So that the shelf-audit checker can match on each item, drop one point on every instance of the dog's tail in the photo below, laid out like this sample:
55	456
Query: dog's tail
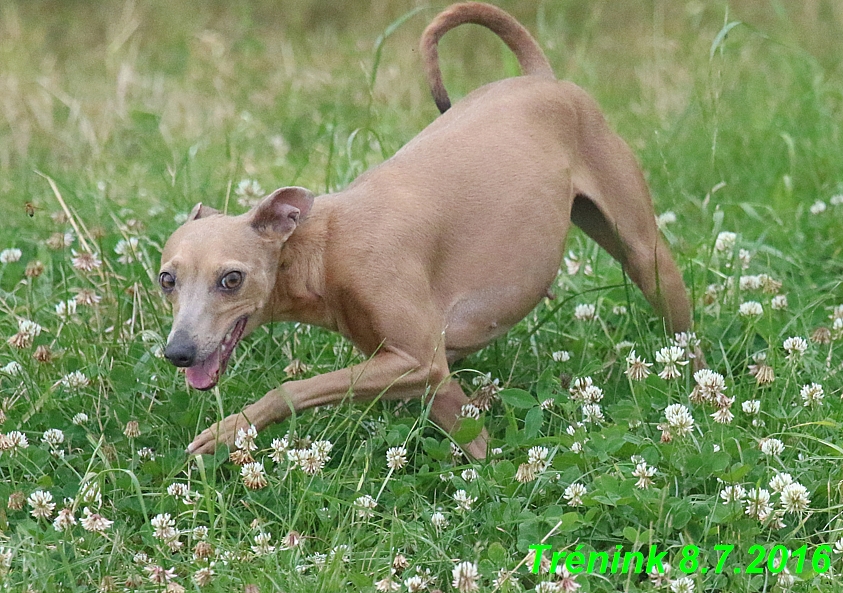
530	56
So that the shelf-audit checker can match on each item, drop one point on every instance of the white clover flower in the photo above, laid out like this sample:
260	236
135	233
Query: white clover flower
837	328
439	520
127	249
525	473
592	413
144	453
89	491
683	585
463	500
795	347
254	476
469	475
645	474
310	461
812	395
750	309
725	241
159	575
561	356
745	258
94	521
29	328
178	490
79	418
771	446
574	493
735	493
750	282
42	504
387	585
248	192
688	341
620	311
637	369
14	442
279	449
396	457
204	576
322	448
836	200
465	577
538	457
751	407
723	415
85	260
74	380
665	218
65	309
679	419
779	303
710	388
817	207
164	527
470	411
8	256
53	437
365	506
585	312
572	263
591	394
65	520
245	438
584	390
262	547
415	584
794	498
779	481
12	369
670	357
758	503
576	447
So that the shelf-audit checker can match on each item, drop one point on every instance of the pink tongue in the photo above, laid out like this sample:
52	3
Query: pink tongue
205	374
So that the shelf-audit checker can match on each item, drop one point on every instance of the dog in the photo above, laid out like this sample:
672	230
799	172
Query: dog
427	257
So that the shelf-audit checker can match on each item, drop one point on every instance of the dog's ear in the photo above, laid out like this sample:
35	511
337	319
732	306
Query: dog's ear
278	215
200	210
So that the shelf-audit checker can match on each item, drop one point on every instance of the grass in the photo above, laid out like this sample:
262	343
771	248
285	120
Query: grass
118	117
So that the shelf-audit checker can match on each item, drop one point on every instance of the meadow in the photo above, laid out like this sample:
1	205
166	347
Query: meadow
117	117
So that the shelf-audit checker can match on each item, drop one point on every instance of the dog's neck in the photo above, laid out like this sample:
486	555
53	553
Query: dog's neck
300	281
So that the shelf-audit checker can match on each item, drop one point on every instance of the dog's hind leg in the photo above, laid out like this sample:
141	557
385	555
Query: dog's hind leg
612	205
445	410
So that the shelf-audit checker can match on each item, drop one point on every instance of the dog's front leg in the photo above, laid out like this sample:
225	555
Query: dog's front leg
391	372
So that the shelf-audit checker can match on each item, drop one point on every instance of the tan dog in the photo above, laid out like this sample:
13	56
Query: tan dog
429	256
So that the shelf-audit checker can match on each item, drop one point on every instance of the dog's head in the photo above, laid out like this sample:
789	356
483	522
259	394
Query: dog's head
218	271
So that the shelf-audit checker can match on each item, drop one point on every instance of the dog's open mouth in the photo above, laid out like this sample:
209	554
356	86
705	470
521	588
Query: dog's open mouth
206	373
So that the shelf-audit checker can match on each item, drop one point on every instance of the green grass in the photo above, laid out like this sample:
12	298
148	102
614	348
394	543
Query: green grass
137	111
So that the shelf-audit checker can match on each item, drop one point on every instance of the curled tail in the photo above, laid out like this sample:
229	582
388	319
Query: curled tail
530	56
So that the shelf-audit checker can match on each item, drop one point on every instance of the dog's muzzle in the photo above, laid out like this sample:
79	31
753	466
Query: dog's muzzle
181	351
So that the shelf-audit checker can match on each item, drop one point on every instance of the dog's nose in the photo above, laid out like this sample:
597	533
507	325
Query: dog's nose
181	353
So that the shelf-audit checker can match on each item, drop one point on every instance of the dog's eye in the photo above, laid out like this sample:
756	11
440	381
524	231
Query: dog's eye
167	281
232	280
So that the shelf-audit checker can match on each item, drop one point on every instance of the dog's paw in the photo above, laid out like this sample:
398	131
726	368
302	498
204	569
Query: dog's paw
221	433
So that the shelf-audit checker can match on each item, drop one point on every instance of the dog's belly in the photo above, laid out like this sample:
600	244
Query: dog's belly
479	317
